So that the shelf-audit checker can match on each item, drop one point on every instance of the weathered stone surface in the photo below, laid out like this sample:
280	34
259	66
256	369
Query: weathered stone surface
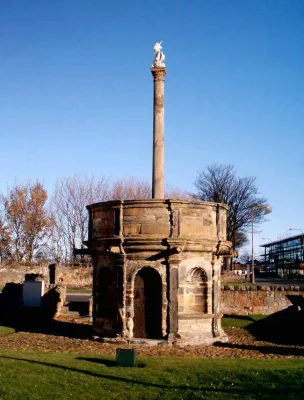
140	219
73	277
158	182
263	300
134	211
53	301
131	229
156	229
175	244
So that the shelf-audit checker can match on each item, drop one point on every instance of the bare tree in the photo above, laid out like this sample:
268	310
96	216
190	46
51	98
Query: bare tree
69	201
241	239
177	193
220	183
130	188
72	195
5	241
27	221
246	257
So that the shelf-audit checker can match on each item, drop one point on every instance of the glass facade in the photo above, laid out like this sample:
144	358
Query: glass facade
283	254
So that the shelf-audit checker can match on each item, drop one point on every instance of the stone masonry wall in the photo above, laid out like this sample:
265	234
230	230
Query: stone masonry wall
73	277
245	300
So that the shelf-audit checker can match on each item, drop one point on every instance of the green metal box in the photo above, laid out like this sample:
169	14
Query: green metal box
126	357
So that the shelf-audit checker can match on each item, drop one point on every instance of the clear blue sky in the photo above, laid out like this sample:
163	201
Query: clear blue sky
76	92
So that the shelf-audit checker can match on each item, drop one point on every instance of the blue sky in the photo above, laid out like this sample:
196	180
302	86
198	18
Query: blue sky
76	92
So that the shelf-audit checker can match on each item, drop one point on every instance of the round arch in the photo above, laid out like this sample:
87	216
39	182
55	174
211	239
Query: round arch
197	274
147	304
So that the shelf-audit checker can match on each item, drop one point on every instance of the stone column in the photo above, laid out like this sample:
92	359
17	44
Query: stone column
158	183
216	293
172	318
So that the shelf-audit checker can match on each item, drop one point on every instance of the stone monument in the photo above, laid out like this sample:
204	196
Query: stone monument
157	262
158	71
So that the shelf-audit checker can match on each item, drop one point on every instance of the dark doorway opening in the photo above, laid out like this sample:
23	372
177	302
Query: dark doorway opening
147	304
105	302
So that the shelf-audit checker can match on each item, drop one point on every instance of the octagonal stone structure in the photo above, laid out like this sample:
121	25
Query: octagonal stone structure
157	266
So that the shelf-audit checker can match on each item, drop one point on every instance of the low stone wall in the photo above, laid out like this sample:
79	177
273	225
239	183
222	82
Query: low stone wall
265	300
73	277
231	277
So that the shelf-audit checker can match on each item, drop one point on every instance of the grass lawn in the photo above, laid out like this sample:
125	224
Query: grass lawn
73	290
5	330
29	375
240	321
245	283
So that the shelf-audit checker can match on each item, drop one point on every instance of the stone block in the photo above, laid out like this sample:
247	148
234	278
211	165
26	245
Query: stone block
162	220
128	212
188	300
192	230
131	229
192	212
104	230
199	290
155	229
97	215
139	219
158	212
199	300
198	308
181	299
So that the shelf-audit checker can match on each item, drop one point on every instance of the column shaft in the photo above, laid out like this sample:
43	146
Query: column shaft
173	300
158	182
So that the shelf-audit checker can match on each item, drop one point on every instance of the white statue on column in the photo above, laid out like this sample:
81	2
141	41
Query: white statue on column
159	56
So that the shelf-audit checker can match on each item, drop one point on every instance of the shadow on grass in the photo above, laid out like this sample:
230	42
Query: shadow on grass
41	320
107	363
27	320
284	327
253	390
264	349
58	328
245	318
242	321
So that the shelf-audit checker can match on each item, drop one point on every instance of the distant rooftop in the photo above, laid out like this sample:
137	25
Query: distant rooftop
285	240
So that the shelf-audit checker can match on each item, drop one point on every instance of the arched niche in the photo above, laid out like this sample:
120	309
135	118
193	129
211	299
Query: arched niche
195	292
197	275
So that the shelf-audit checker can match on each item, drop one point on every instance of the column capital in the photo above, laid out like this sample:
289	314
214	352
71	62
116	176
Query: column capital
159	73
174	261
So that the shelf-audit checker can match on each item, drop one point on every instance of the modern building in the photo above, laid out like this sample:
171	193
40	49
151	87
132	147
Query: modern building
285	256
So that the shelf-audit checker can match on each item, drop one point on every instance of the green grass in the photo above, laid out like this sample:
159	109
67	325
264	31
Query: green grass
33	376
5	330
240	321
75	290
239	284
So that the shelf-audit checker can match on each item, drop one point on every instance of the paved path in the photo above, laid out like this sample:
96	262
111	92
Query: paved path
78	297
276	282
